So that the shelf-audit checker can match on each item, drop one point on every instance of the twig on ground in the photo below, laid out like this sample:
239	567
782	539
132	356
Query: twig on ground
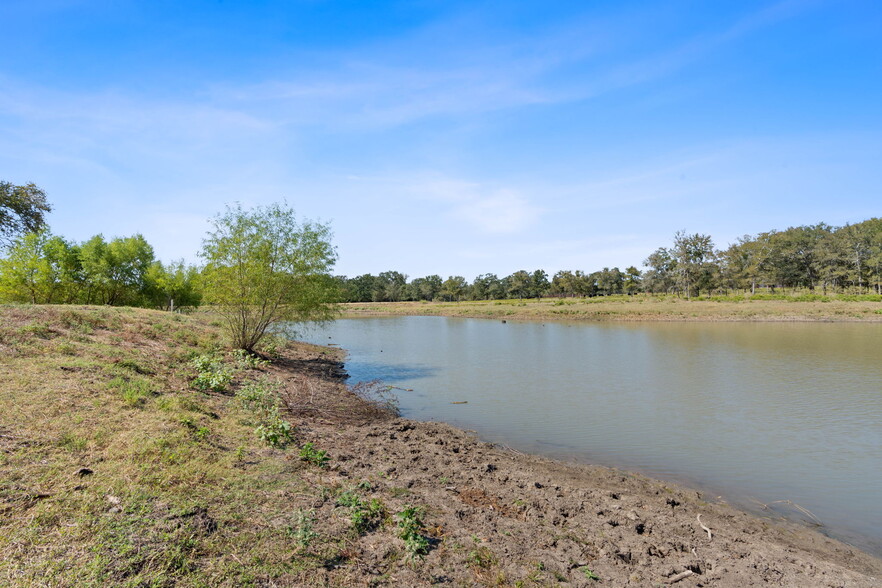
680	576
709	535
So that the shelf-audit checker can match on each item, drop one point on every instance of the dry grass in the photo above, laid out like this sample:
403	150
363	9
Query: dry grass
114	471
637	308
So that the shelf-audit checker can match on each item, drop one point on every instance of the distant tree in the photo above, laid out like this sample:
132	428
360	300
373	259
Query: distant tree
263	267
695	259
633	281
454	288
539	283
115	272
173	286
22	210
40	268
391	286
519	284
661	274
609	281
360	288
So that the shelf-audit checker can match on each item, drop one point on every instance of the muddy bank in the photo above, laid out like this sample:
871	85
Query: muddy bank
494	516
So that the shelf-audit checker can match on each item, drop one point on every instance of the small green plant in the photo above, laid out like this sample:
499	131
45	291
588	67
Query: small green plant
590	575
364	516
199	433
309	453
73	442
212	374
276	432
260	397
349	498
410	529
302	530
246	360
481	557
134	391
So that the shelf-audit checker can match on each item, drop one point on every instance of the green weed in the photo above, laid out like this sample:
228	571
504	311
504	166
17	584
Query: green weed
589	574
310	454
212	374
411	529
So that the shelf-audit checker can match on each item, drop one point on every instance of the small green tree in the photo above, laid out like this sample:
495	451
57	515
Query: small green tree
262	268
22	210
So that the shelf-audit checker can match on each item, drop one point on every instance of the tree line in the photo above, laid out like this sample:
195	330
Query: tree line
832	259
43	268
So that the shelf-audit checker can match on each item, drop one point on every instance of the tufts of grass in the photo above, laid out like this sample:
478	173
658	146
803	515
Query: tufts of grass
134	392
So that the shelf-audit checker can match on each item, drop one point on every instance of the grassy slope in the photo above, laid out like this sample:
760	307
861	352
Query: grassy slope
114	471
639	308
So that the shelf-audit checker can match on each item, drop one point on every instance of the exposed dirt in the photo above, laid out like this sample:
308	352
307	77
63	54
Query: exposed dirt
498	517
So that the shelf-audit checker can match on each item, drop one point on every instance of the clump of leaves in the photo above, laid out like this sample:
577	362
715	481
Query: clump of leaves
303	529
199	433
309	453
134	391
364	515
410	529
272	344
246	360
211	374
276	432
260	397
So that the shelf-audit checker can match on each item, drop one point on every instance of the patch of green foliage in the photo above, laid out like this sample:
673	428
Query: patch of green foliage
310	454
211	374
589	574
411	529
260	398
303	529
364	515
249	361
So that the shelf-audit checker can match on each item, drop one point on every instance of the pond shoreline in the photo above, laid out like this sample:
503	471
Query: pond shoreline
627	309
765	536
572	521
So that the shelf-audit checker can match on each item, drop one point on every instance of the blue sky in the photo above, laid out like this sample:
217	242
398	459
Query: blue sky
447	137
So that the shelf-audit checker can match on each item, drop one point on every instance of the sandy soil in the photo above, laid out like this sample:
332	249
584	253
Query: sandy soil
498	517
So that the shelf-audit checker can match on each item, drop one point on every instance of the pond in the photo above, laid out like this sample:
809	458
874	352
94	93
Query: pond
788	415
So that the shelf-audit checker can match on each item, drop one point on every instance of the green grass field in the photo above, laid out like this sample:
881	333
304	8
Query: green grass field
802	307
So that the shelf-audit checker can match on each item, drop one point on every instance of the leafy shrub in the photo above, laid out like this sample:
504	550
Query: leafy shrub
411	528
249	361
261	399
212	374
302	530
275	432
314	456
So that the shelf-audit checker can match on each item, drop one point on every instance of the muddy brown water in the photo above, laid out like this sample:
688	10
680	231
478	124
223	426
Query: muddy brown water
787	415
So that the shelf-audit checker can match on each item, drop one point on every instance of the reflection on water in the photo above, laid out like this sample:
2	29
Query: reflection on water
771	411
371	370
